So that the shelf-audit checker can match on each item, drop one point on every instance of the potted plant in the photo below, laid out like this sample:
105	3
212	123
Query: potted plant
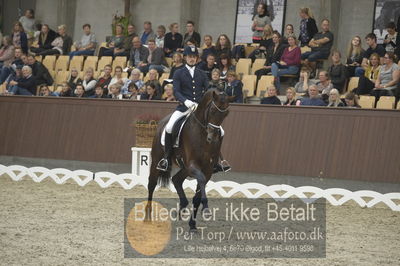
146	129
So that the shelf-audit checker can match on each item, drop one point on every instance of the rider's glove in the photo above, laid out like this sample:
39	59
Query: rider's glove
191	105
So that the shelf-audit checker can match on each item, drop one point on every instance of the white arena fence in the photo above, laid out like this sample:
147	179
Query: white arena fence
226	189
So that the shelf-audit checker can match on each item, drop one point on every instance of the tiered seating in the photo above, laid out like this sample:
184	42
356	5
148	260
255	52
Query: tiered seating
353	83
62	63
367	101
163	77
249	85
61	77
119	61
263	83
243	66
386	102
91	61
76	62
105	60
169	61
258	64
49	62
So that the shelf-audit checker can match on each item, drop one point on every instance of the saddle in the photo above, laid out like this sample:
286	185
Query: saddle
176	131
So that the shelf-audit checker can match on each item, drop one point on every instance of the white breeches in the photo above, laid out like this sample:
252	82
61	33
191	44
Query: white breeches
175	117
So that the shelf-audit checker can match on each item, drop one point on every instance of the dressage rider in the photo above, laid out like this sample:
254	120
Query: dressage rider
190	84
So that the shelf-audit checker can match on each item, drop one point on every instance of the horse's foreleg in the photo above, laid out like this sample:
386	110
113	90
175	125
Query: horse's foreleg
196	204
196	173
153	177
178	179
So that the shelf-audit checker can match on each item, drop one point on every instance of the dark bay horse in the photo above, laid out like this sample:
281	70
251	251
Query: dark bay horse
199	150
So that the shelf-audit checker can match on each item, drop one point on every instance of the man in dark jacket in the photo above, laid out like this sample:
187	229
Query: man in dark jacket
156	57
139	53
6	71
40	72
25	85
46	37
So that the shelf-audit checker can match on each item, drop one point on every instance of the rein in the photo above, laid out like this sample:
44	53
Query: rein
206	116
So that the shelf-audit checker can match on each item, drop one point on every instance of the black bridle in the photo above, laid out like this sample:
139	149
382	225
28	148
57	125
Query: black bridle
208	125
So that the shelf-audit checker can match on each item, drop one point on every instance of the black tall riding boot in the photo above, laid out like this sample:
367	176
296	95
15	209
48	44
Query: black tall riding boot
165	163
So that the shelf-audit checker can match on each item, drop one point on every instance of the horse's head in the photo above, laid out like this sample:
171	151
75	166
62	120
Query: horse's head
214	108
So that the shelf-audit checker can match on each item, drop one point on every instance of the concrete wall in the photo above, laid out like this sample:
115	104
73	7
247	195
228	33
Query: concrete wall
99	14
212	17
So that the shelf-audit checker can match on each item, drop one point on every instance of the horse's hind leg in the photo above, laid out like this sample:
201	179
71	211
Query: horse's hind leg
178	180
153	177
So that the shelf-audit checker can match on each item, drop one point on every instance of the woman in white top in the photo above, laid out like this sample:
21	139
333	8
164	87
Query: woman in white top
28	22
118	79
89	82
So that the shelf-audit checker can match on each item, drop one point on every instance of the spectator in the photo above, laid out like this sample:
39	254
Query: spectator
274	54
66	90
7	52
7	70
14	76
25	85
147	33
313	99
397	50
271	97
139	53
46	38
133	92
354	56
290	62
266	42
61	44
177	63
115	91
98	93
324	84
115	44
19	37
191	34
290	96
337	72
223	46
153	79
87	44
169	93
388	78
259	22
373	47
234	87
173	40
79	91
127	45
45	91
105	80
118	79
208	48
216	82
28	23
308	27
367	82
334	99
320	45
134	78
225	65
156	59
289	31
40	72
351	100
89	82
209	65
305	81
390	39
160	38
73	78
151	93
